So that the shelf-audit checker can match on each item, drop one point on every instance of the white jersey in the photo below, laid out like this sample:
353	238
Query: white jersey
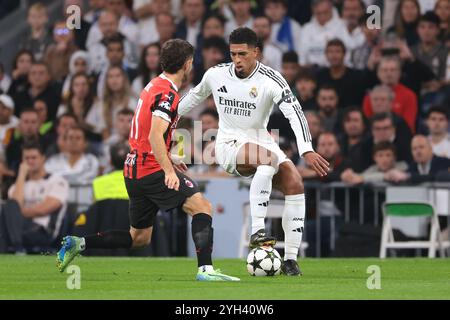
244	105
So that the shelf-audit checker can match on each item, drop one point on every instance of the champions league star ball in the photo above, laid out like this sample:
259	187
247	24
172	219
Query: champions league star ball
264	261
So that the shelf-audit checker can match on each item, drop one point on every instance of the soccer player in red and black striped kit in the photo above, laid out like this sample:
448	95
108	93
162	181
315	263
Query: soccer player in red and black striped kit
153	181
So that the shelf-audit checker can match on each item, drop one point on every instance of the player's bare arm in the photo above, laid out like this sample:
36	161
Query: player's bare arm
156	139
317	162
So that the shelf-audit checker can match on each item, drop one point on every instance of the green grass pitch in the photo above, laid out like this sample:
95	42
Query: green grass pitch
36	277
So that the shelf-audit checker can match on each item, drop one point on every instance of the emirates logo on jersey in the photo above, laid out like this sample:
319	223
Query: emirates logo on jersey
253	92
188	183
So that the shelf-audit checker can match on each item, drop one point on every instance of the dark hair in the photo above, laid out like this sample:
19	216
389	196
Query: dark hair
243	35
328	86
315	3
125	112
88	100
210	112
216	16
290	57
174	54
336	43
431	17
380	117
118	153
384	145
33	144
28	110
305	75
283	2
144	71
65	115
116	38
217	43
351	109
20	53
438	109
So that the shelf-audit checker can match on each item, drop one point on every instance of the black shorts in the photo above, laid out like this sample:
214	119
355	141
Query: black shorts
149	194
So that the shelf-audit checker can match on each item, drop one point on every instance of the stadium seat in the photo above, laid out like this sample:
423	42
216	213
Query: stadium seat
409	210
274	211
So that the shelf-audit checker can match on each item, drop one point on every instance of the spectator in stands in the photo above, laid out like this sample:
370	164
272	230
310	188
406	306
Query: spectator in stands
290	69
405	101
384	156
21	67
115	53
41	196
327	147
241	16
117	95
45	125
359	56
213	25
5	80
437	123
82	103
95	9
327	103
79	63
7	118
382	99
57	54
352	15
406	19
348	82
271	53
149	67
26	131
315	125
111	185
214	51
108	24
37	37
383	129
305	86
74	164
190	26
354	133
165	25
40	88
146	11
442	9
430	50
286	31
123	127
324	25
81	33
63	124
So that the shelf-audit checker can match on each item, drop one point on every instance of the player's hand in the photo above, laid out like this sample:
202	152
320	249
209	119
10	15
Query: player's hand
181	167
319	164
171	180
23	170
178	163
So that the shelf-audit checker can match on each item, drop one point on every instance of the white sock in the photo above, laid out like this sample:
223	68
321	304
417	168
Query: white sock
293	222
260	190
206	268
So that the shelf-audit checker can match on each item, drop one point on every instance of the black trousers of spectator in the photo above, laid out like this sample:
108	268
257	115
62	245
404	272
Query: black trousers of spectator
19	233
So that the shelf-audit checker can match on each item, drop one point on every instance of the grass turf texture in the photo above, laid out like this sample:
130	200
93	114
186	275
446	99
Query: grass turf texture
36	277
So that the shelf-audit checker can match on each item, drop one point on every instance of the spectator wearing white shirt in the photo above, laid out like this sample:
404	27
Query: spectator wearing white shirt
437	123
149	67
189	28
75	165
96	7
286	32
7	118
108	26
352	15
271	54
324	26
146	11
241	16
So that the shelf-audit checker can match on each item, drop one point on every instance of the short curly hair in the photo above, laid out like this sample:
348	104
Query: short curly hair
174	55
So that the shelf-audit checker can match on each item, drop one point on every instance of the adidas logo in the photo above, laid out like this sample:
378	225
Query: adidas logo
298	230
222	89
264	204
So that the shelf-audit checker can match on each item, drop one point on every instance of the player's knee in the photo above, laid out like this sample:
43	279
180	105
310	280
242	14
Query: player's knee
197	204
141	240
204	206
294	185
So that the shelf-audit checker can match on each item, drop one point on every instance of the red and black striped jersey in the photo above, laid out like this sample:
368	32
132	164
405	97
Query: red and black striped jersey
159	98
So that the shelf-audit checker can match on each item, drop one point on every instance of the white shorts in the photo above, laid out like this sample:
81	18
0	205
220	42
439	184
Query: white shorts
226	152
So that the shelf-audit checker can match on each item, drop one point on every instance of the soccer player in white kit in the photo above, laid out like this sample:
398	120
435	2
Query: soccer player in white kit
245	92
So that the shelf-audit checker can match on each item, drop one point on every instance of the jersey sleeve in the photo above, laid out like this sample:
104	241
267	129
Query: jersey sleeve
196	95
292	110
165	106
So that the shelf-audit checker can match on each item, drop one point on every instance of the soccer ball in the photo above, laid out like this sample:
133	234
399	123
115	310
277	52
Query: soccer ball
264	261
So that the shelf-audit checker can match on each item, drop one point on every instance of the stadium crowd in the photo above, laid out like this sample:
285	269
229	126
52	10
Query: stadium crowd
376	98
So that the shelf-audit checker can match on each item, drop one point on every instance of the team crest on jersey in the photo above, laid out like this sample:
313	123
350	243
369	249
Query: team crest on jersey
253	93
188	183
